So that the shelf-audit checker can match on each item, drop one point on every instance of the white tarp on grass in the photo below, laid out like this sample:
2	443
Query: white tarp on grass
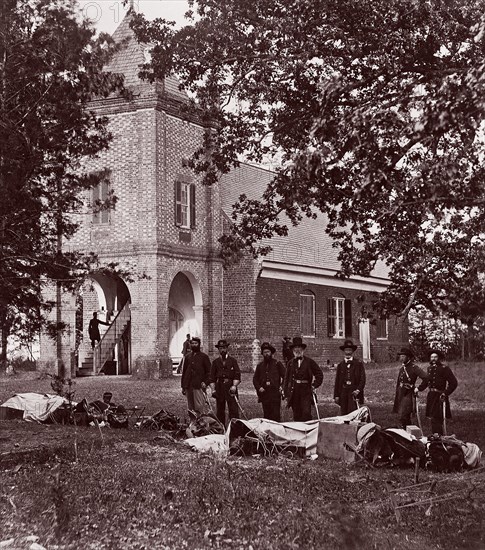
36	407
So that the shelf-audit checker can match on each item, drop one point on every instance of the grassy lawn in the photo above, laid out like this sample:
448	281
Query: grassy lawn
131	489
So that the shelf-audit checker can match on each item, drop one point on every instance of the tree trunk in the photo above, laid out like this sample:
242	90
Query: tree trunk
469	334
5	331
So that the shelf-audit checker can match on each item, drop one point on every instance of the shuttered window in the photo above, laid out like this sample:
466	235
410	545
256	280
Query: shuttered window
339	318
184	204
100	195
382	328
307	313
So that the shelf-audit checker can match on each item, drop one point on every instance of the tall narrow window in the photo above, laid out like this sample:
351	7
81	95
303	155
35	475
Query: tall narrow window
382	328
307	313
100	195
339	318
184	204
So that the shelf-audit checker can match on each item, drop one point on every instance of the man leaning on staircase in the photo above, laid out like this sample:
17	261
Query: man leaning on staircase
93	329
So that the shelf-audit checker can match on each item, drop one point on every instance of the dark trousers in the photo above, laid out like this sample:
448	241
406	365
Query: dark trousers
301	403
272	409
405	409
347	402
223	397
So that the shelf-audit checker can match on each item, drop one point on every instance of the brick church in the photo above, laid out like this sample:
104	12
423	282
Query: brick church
165	229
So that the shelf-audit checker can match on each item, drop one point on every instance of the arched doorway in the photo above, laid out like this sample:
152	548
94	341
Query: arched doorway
184	311
109	297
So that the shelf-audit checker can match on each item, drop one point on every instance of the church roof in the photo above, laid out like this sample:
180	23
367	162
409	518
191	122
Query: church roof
306	244
131	56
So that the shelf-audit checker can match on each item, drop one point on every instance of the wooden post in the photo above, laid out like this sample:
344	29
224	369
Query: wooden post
394	502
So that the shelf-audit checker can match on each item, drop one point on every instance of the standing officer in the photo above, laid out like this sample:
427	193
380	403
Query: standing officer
302	376
225	377
441	383
406	387
185	351
267	380
349	380
195	377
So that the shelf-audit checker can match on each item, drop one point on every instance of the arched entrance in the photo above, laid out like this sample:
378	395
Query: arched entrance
184	311
109	297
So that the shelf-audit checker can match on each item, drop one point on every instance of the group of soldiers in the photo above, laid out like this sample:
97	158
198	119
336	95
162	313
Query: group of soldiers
297	380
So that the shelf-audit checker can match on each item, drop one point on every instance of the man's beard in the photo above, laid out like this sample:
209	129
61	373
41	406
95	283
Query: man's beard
266	358
195	349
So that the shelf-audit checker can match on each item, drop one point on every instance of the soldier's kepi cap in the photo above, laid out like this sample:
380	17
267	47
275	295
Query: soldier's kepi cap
222	344
107	395
267	345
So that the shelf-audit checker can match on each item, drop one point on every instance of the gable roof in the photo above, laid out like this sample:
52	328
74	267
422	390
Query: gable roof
131	56
306	244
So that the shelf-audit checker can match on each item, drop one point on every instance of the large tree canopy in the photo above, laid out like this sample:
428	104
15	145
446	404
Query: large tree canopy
375	109
51	66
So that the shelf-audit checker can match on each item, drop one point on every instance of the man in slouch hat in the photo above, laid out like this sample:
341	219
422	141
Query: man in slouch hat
267	380
349	380
441	383
195	377
224	379
302	376
404	400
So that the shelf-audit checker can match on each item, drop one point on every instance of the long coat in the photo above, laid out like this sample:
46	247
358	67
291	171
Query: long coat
196	370
308	370
224	370
406	381
352	372
440	380
269	376
93	328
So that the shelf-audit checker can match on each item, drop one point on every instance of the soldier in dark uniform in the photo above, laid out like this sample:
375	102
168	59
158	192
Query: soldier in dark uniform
225	377
404	400
185	351
349	380
93	329
267	380
441	383
195	377
302	376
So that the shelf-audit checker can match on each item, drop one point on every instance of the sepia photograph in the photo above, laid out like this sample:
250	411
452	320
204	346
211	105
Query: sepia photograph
242	274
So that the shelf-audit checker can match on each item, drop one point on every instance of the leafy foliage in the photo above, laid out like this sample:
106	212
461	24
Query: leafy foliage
51	66
375	109
456	339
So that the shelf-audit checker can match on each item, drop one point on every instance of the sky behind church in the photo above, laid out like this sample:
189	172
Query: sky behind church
107	14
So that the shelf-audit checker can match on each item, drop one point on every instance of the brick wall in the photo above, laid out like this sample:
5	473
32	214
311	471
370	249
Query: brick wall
147	155
239	305
278	315
48	361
